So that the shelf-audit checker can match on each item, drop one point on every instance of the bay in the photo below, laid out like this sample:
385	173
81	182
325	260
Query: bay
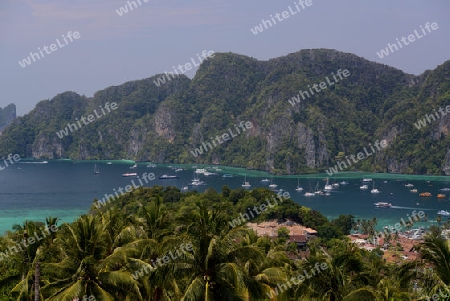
66	189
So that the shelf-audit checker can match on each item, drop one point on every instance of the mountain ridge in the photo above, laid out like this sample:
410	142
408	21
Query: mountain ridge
164	123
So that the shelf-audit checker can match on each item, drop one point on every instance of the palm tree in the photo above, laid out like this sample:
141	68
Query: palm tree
435	250
85	265
214	270
35	241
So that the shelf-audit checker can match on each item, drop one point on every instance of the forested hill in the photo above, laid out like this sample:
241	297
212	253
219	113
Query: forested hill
7	115
166	122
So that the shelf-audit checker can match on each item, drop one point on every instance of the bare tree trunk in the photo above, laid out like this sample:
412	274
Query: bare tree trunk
37	278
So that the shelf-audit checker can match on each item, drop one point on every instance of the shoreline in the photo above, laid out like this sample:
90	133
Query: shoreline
241	171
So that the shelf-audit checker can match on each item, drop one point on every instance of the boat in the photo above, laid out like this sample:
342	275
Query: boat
246	184
200	170
443	213
413	190
335	185
317	190
134	166
227	175
382	205
409	185
425	194
129	174
328	187
151	165
374	190
179	169
343	183
367	180
167	177
298	189
96	170
196	182
445	189
207	173
265	180
108	163
309	194
363	187
185	188
441	196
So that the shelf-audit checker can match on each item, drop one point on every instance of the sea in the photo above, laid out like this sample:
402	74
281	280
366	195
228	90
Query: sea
34	190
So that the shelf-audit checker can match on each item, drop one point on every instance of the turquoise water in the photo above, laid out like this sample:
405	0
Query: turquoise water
66	189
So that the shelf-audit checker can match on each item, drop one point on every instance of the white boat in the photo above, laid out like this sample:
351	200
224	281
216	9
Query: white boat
328	187
200	171
151	165
409	185
265	180
383	205
344	183
246	184
134	166
196	182
207	173
413	190
367	180
96	170
445	189
335	185
298	189
443	213
374	190
363	187
108	163
317	190
129	174
309	194
185	188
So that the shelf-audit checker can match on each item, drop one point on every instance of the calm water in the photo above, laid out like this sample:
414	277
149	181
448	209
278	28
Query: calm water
66	190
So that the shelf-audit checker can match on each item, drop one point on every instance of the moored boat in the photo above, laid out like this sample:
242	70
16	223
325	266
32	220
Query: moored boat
382	205
425	194
441	196
167	177
443	213
129	174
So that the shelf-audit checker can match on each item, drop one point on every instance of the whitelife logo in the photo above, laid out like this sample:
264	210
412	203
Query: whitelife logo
11	158
423	122
124	9
35	56
225	137
162	80
322	85
284	15
360	156
411	38
108	197
73	127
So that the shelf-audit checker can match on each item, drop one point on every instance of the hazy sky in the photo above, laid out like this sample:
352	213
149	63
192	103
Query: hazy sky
159	34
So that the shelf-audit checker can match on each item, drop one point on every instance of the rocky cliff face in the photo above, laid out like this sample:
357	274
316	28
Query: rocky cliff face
7	116
167	123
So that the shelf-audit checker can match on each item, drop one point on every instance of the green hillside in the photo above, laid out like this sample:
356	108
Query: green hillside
165	123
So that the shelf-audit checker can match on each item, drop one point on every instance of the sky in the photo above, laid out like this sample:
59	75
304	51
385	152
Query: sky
155	35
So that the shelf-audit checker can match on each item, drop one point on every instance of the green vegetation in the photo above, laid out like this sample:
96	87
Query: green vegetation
121	252
164	124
